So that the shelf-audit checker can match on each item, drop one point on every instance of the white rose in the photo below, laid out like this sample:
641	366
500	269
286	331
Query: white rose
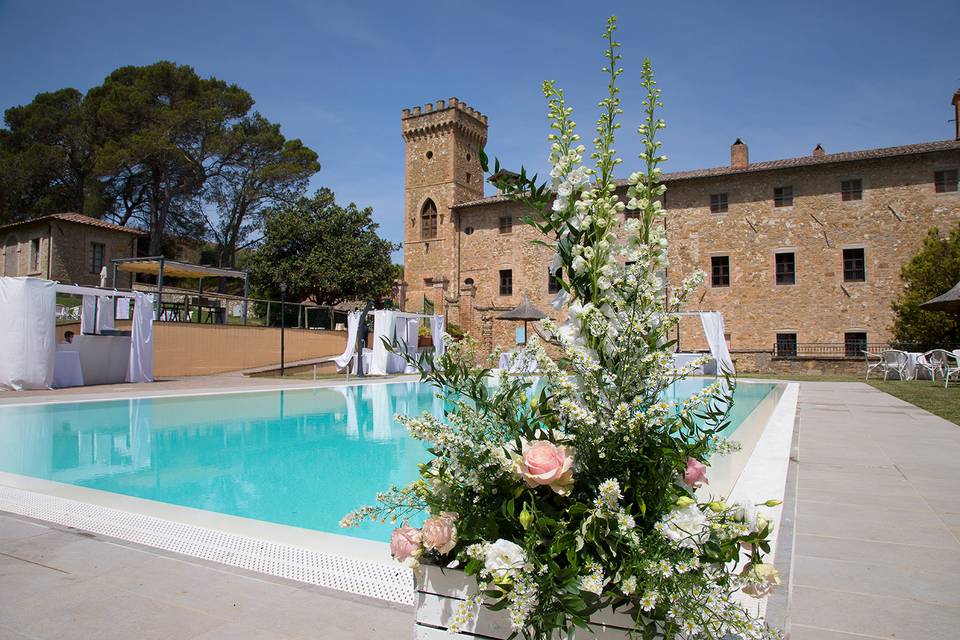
687	526
504	558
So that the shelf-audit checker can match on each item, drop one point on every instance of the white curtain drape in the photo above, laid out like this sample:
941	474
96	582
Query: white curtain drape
105	320
438	325
353	326
412	339
88	315
713	329
384	323
140	368
28	339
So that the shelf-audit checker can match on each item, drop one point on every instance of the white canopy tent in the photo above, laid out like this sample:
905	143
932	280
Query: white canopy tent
404	327
33	359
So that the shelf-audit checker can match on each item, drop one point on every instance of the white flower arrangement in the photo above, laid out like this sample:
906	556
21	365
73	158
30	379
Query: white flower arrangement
577	494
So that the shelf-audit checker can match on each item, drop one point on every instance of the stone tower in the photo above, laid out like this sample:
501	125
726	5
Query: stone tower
443	169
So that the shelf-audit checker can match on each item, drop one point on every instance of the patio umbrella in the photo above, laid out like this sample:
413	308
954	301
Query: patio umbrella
950	301
524	311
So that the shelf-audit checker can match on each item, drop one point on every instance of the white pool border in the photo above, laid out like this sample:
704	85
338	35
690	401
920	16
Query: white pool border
342	563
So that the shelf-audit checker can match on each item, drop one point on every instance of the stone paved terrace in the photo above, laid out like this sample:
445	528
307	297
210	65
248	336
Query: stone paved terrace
59	583
876	552
877	547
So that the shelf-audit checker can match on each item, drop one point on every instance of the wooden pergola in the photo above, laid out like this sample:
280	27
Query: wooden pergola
163	267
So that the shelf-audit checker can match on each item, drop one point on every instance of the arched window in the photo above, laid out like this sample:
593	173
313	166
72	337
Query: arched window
10	267
428	220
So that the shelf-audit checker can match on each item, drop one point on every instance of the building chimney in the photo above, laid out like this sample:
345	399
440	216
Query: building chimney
956	113
818	152
739	156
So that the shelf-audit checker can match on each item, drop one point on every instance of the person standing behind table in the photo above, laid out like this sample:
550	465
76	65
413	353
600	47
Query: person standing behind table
68	337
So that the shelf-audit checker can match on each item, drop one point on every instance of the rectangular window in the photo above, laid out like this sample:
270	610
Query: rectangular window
720	271
851	190
35	254
506	282
786	268
506	224
786	345
718	203
553	281
783	197
854	265
854	344
944	181
97	252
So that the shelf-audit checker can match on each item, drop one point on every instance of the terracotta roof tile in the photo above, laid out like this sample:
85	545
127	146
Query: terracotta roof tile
79	218
786	163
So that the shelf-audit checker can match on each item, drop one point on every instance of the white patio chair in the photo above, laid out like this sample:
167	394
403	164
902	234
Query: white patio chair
895	361
933	361
877	361
951	367
61	312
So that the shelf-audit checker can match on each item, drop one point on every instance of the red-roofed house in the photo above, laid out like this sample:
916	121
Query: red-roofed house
68	247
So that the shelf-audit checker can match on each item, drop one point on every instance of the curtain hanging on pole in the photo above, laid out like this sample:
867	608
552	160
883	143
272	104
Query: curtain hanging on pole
140	367
713	329
353	325
27	333
88	315
437	329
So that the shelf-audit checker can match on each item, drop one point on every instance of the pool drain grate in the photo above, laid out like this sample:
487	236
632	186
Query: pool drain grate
341	573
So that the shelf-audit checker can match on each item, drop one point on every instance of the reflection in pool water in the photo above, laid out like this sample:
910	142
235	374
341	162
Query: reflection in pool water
304	457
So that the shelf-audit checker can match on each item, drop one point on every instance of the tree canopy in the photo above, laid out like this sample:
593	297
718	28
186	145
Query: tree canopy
157	147
928	274
323	252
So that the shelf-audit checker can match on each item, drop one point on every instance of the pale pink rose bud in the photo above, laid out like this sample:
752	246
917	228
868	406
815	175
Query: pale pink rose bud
440	533
695	474
546	464
761	579
405	543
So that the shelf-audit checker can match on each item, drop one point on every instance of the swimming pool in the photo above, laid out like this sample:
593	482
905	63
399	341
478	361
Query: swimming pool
302	457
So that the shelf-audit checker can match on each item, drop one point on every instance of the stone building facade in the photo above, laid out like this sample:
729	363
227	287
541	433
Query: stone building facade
798	252
68	247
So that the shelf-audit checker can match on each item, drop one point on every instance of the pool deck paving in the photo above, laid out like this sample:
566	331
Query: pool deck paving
877	546
871	499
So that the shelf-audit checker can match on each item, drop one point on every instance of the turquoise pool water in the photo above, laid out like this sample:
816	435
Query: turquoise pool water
304	457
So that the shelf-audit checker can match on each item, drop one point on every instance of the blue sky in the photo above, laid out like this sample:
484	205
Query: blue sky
783	76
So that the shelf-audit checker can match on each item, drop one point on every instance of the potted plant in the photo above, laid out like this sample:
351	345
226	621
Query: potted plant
567	508
424	337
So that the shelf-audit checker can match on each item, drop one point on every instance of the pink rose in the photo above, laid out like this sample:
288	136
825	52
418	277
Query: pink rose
440	533
544	463
405	543
695	474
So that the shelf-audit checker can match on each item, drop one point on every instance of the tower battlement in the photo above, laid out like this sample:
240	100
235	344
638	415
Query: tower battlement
442	115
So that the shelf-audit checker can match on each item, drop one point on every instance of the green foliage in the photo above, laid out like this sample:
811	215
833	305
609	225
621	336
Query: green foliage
46	158
157	147
324	252
928	274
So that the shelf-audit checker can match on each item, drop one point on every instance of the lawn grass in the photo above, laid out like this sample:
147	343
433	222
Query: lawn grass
925	394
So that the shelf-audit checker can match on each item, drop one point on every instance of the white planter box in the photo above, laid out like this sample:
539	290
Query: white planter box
440	591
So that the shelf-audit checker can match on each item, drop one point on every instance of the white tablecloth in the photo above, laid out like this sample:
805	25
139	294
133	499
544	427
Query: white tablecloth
367	354
683	359
66	370
912	370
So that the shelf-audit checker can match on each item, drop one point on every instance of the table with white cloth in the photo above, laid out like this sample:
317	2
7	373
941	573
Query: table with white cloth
512	362
683	359
911	370
103	359
66	369
367	354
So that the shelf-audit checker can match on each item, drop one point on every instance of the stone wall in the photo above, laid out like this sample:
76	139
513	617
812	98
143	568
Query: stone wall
65	251
442	165
748	362
897	209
